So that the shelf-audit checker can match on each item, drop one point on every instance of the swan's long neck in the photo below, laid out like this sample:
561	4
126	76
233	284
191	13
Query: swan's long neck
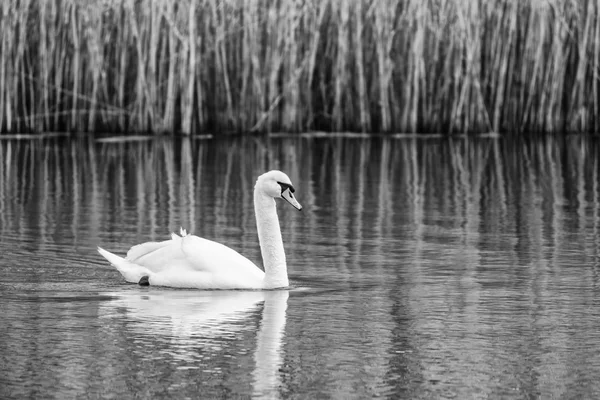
271	243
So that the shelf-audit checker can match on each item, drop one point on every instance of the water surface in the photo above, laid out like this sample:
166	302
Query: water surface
420	268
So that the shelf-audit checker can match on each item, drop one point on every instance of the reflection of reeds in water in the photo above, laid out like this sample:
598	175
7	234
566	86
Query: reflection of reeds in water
363	65
487	185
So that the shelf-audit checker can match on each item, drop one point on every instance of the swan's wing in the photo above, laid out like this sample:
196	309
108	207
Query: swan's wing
157	256
215	258
141	250
178	257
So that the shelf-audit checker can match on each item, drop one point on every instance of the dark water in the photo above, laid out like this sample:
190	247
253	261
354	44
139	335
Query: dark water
437	268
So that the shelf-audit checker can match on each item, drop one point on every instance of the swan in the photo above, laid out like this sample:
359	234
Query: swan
189	261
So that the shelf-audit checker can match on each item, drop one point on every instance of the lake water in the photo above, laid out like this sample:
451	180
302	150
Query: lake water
420	268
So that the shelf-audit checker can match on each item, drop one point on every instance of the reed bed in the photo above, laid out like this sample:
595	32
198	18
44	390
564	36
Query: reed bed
257	65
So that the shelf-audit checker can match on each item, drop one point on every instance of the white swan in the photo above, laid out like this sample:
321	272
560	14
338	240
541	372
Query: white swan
188	261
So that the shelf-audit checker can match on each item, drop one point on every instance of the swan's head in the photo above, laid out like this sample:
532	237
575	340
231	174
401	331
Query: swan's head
278	185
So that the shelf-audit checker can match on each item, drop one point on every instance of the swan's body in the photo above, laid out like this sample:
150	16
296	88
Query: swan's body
188	261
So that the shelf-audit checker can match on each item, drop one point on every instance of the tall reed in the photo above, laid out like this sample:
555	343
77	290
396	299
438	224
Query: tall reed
363	65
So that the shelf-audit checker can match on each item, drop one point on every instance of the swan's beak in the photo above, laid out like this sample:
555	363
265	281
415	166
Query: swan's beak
288	196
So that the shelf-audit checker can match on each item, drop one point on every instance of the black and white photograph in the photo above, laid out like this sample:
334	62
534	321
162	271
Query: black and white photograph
299	199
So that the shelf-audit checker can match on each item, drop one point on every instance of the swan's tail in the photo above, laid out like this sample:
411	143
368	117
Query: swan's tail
130	271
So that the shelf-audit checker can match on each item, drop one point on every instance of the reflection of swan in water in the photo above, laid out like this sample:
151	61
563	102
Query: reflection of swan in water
188	317
268	355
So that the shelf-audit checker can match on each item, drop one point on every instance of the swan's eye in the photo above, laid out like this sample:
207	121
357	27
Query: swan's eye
285	186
